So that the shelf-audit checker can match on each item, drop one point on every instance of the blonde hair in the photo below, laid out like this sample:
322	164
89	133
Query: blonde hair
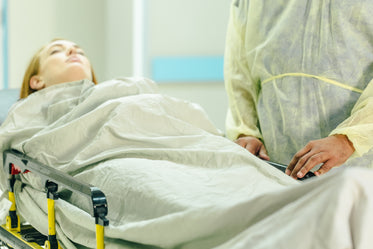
33	69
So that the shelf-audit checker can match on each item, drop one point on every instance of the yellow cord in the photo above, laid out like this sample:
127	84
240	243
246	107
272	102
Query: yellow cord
333	82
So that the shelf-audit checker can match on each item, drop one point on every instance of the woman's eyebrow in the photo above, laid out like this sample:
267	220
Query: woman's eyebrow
60	45
54	45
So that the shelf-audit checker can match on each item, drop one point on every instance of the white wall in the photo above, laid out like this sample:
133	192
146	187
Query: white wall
104	29
193	27
118	38
190	28
34	23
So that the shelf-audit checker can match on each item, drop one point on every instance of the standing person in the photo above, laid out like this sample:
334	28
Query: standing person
297	75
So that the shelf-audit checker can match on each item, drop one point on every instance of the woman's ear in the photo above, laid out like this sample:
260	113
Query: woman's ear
36	82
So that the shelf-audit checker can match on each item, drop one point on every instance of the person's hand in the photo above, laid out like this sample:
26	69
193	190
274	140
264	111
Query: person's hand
254	146
331	152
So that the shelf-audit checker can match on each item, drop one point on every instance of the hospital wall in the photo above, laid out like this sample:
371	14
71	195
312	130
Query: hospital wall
106	31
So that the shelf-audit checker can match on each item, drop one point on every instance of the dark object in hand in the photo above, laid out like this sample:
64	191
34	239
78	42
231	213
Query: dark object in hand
283	167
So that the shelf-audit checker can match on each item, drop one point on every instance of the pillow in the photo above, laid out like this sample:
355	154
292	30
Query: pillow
7	98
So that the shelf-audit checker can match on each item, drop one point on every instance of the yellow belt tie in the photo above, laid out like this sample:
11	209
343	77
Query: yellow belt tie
333	82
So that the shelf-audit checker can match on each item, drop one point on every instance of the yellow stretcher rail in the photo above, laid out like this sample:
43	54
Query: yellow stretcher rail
10	233
51	218
12	220
52	242
100	236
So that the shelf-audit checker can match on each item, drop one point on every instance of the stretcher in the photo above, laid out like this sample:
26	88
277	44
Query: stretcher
13	234
16	235
137	169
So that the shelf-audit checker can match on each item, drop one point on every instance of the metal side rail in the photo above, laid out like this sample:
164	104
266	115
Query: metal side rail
20	240
16	162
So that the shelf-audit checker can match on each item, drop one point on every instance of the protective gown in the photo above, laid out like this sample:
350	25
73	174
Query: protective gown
297	71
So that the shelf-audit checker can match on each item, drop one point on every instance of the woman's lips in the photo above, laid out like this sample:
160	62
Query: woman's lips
73	59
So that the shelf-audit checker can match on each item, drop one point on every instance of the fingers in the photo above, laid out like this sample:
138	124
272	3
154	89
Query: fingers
248	144
305	160
330	152
258	150
241	142
324	168
305	165
254	146
299	159
263	153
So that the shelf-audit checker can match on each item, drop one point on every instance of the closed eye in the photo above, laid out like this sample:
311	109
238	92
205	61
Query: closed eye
81	52
54	51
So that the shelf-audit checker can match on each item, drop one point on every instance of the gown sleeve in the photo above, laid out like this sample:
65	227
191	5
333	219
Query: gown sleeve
241	87
359	126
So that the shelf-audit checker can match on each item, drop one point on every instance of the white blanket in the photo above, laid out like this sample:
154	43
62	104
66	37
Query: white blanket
171	179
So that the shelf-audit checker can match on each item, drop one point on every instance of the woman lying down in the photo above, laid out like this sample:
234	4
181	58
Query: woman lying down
171	179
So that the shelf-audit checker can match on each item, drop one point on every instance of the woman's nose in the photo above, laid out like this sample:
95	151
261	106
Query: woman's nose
71	50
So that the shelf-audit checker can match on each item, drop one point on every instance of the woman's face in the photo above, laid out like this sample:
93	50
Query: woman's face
61	61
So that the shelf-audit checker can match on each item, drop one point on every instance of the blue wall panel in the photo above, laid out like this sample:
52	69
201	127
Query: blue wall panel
188	69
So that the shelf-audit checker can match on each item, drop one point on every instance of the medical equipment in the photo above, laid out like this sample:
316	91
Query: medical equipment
11	233
282	167
24	162
170	179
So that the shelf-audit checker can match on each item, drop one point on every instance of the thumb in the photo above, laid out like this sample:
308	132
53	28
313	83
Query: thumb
263	153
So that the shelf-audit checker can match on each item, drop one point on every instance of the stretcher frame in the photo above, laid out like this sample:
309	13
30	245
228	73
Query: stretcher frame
16	163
